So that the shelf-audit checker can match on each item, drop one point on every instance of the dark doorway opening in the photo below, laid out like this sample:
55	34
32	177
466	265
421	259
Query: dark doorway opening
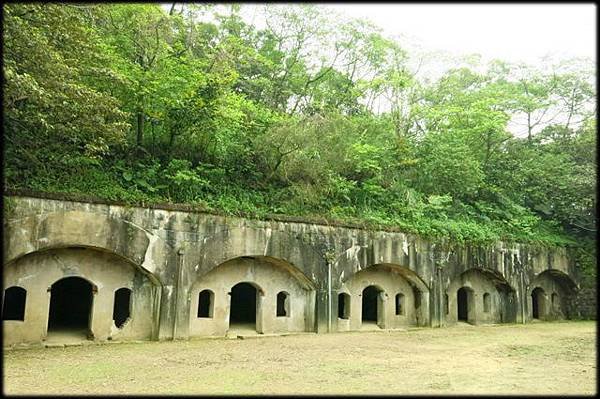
70	305
463	304
537	302
343	306
122	306
243	304
369	303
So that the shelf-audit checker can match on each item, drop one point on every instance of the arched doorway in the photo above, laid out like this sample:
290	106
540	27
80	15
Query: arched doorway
538	308
70	306
371	307
462	300
552	291
481	296
243	310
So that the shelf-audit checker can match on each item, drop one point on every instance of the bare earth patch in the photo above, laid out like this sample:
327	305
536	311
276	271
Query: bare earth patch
539	358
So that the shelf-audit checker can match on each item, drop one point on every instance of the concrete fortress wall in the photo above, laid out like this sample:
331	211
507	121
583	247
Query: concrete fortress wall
184	271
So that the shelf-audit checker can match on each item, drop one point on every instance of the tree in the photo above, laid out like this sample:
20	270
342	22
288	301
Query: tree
140	38
57	114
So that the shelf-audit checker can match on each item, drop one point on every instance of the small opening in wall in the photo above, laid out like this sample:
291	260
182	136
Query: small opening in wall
283	304
122	306
205	303
13	307
486	302
343	306
399	304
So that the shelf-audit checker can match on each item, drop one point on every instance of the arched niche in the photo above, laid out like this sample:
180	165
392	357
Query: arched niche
285	248
270	276
390	280
106	272
551	290
484	295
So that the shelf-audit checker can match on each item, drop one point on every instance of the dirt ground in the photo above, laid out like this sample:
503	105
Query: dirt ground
540	358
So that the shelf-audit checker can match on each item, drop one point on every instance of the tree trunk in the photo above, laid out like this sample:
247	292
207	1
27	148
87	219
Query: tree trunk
140	128
529	127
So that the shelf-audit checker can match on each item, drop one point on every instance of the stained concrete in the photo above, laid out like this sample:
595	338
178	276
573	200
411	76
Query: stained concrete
166	257
38	271
269	279
390	281
478	284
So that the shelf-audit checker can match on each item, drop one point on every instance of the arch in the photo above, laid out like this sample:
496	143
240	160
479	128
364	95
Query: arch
344	305
563	279
499	306
269	277
388	278
13	303
206	303
304	262
106	273
494	276
283	304
294	271
154	278
409	275
558	290
71	300
78	229
122	306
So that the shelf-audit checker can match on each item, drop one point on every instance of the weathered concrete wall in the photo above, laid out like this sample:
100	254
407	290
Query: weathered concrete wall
180	252
552	299
270	279
36	272
391	281
584	305
479	285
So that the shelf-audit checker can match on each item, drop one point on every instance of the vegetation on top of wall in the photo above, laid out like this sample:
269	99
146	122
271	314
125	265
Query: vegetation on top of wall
314	116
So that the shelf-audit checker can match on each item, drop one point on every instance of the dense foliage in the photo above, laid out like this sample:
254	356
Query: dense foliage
312	115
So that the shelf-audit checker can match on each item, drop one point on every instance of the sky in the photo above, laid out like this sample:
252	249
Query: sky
511	32
442	35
